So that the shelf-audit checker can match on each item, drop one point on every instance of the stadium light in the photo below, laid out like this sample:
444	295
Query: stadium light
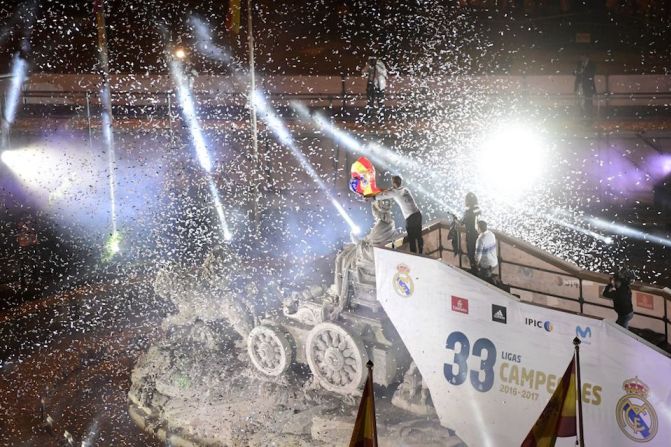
14	160
511	160
33	165
180	54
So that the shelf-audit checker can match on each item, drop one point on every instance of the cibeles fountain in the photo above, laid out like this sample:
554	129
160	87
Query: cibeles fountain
221	375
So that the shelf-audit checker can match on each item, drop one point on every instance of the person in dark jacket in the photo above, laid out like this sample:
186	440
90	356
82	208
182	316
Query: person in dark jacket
584	86
619	291
470	223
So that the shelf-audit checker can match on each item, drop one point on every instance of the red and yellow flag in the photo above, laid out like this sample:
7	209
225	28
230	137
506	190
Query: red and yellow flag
558	419
362	180
365	428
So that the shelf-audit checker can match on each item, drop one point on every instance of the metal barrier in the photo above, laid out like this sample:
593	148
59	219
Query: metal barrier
538	277
343	92
341	100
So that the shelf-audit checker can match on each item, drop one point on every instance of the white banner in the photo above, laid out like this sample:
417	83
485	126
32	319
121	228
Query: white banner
491	362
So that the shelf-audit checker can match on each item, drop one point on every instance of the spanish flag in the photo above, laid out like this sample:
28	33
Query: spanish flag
558	419
362	180
365	429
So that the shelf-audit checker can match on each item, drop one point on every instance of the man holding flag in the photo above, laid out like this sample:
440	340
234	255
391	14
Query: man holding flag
411	213
362	183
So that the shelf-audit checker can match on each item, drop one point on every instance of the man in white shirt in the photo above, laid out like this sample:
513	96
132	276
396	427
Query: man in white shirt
376	73
412	215
486	255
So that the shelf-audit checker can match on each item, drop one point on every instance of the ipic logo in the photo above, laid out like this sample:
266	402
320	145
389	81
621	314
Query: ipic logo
547	325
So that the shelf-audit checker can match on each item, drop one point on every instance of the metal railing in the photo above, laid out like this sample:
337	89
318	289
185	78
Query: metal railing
538	277
344	91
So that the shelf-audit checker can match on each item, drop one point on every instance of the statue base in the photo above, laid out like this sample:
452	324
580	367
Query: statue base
188	391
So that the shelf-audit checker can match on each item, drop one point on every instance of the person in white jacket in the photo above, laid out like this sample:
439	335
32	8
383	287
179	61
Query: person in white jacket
486	255
376	73
413	217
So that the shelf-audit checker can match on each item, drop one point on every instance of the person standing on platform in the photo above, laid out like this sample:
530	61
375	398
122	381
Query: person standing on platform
470	222
486	256
584	86
376	74
619	291
413	217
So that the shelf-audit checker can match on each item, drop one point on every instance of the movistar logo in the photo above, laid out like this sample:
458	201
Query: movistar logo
583	334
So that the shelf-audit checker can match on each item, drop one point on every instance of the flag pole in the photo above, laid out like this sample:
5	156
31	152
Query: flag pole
252	106
364	433
369	365
581	436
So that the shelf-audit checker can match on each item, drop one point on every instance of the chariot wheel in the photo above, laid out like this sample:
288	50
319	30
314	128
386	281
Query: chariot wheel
336	358
269	350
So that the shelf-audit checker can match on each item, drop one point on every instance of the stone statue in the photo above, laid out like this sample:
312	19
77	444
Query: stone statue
205	294
196	385
358	257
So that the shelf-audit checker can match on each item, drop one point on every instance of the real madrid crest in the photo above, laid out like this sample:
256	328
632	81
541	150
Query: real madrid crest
403	284
636	417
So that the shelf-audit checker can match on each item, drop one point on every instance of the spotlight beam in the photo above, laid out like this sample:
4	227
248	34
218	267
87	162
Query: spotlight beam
107	117
206	45
219	208
19	70
209	49
18	77
620	229
188	108
605	239
278	128
185	98
624	230
377	154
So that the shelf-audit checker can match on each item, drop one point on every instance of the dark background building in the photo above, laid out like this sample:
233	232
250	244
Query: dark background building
296	37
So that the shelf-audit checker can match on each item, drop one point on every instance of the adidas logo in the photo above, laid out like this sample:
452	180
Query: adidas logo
499	314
